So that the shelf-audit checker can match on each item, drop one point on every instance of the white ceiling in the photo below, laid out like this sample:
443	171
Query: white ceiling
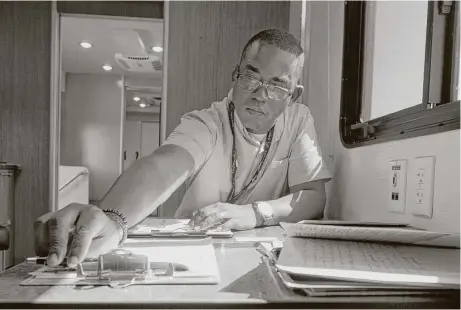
108	36
150	97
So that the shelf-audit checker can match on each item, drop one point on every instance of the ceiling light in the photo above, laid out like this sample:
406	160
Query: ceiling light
107	67
86	44
136	98
142	105
157	49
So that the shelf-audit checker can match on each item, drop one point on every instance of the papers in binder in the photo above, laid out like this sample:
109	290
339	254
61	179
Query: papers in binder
369	233
371	262
155	227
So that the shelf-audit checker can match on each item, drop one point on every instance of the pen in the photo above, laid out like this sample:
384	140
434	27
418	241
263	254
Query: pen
41	260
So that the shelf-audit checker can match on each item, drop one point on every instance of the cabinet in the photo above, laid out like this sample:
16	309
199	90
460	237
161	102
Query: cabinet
140	138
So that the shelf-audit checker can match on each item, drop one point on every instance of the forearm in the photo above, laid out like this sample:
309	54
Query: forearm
301	205
148	183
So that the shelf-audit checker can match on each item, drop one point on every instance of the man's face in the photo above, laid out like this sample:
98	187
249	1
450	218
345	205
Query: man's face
269	64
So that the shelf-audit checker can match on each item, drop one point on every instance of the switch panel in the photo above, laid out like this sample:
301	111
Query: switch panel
397	186
423	194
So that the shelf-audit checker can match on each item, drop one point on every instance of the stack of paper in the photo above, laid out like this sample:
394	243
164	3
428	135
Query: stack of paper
156	227
367	260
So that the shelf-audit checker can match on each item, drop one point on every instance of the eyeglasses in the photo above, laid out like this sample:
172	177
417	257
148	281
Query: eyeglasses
274	92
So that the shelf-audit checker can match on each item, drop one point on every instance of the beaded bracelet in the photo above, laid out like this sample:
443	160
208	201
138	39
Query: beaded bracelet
118	217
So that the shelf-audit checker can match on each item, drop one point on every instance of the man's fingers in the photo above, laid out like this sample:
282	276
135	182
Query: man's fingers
59	227
197	218
229	225
213	219
89	224
41	235
200	215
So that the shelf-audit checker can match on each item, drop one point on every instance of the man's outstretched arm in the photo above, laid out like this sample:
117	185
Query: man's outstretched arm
149	182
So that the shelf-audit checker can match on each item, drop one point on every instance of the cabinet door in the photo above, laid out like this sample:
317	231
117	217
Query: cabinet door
149	137
131	142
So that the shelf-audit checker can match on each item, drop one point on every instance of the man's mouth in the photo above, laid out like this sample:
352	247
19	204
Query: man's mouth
255	111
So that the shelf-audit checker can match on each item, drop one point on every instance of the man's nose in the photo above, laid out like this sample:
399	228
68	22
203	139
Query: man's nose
260	94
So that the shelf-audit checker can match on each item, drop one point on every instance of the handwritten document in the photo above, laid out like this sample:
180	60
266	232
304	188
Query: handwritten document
168	225
364	233
149	224
373	262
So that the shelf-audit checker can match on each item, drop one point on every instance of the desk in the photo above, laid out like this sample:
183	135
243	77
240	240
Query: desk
245	283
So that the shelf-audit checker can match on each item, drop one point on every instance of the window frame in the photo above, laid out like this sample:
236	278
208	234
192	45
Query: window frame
419	120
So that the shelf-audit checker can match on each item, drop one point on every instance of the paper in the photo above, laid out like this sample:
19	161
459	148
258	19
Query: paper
146	227
352	223
371	262
321	284
150	224
199	258
377	234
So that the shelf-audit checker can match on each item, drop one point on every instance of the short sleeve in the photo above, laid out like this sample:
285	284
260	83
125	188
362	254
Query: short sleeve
196	133
305	162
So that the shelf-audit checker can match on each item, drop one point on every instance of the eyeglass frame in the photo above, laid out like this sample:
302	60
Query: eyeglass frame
237	74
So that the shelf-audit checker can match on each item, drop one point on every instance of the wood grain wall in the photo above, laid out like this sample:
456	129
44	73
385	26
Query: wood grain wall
205	42
25	52
205	39
145	9
25	34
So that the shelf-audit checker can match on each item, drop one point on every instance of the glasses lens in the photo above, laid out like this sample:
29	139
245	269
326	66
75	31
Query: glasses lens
277	93
248	83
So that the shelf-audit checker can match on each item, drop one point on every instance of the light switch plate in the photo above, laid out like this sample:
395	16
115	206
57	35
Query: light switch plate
422	194
397	186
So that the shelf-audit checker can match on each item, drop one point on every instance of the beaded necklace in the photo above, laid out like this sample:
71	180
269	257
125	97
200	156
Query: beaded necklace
232	195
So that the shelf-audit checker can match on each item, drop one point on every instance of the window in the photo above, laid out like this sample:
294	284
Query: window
400	70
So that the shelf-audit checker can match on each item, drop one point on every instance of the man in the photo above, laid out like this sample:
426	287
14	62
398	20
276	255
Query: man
250	160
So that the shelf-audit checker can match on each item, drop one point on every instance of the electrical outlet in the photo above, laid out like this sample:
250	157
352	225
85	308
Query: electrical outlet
423	187
397	186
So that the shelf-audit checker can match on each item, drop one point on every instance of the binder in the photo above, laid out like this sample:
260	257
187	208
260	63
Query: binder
159	263
173	228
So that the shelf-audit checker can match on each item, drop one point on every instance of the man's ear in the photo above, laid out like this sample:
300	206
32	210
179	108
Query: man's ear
297	92
234	73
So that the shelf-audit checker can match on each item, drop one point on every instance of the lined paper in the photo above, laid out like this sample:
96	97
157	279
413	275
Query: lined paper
362	233
374	262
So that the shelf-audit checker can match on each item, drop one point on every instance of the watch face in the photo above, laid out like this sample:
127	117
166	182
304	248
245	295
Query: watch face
266	210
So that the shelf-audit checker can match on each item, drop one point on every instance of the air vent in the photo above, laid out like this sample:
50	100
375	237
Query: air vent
132	63
157	65
138	58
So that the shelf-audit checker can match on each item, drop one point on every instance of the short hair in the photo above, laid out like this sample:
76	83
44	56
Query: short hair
281	38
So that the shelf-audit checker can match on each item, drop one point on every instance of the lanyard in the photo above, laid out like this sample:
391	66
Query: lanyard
232	195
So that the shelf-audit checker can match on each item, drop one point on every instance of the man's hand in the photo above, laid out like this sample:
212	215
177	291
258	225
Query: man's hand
224	216
76	231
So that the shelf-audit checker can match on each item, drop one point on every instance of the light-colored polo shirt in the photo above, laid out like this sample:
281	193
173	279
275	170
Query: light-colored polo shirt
293	158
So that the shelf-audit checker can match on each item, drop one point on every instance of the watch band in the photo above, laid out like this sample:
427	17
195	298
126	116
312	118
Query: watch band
265	211
120	219
258	215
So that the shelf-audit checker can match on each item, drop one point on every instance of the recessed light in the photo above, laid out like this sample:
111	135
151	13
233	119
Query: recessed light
142	105
86	44
157	49
136	98
107	67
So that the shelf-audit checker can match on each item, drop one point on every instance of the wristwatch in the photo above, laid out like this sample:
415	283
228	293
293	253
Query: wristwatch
264	211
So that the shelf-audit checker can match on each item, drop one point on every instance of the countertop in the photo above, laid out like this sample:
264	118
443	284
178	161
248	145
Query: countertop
246	282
